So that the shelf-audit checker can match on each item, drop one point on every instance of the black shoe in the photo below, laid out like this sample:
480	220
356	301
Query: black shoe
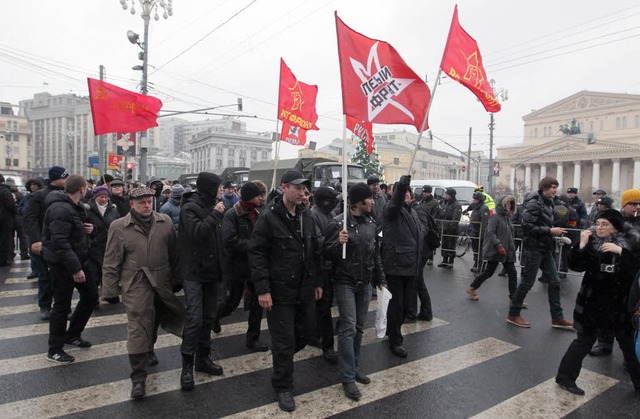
427	317
572	388
138	391
543	280
78	342
32	275
286	401
217	328
443	264
502	273
206	365
398	351
361	378
45	313
330	356
599	351
410	320
60	357
186	376
24	256
352	391
257	347
152	359
315	342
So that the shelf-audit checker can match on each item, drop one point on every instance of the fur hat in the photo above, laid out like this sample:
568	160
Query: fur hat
359	192
630	195
373	179
614	217
249	191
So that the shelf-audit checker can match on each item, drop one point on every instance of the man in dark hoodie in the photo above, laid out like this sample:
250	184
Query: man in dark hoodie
200	250
7	215
283	257
33	218
65	248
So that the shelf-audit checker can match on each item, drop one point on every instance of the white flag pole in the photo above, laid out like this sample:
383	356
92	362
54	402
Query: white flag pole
424	121
345	183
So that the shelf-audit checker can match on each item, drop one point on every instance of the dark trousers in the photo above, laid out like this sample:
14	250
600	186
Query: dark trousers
235	289
423	296
403	289
45	285
324	321
7	241
63	286
509	268
448	248
571	363
200	306
289	326
605	338
22	237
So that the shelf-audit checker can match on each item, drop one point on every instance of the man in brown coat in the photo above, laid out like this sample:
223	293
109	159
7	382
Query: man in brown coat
141	257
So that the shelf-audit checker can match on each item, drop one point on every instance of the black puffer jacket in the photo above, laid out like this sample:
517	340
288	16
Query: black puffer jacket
34	214
100	231
236	232
64	240
200	238
403	237
537	221
363	262
282	263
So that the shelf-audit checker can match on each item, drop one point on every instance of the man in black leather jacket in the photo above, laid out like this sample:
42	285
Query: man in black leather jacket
283	257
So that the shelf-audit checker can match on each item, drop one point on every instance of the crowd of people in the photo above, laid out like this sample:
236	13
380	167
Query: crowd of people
293	254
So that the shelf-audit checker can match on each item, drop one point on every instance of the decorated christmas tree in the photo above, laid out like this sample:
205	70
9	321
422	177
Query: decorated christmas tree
370	162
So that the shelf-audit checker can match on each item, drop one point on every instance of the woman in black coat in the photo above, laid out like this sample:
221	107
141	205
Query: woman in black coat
608	255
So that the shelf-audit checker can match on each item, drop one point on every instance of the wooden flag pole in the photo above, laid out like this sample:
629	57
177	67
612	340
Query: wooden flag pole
424	121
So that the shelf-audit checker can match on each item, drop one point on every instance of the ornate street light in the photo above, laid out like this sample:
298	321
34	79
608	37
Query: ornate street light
147	7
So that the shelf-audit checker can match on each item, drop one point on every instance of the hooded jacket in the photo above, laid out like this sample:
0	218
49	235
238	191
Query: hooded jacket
500	232
236	232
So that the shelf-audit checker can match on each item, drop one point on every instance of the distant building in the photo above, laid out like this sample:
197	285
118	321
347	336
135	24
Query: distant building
16	152
168	167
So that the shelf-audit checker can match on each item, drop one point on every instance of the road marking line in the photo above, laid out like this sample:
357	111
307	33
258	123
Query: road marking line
20	281
26	308
331	400
548	400
18	293
101	395
19	269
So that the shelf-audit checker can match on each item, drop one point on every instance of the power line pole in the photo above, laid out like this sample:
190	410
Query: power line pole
469	156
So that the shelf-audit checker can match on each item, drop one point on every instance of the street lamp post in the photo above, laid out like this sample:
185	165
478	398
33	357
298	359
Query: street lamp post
502	94
147	6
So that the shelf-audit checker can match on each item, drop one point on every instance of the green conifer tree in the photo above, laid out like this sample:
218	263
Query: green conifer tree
370	162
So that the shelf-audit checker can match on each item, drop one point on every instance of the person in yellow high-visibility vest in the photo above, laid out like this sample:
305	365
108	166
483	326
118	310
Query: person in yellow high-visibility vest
488	200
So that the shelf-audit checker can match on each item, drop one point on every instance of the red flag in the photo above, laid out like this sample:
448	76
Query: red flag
362	130
293	134
377	85
296	100
118	110
462	61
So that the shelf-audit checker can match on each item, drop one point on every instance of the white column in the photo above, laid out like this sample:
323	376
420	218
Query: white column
595	178
543	170
615	176
560	175
636	174
577	172
527	177
513	178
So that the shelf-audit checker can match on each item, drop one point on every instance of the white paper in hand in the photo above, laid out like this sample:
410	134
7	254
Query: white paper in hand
384	296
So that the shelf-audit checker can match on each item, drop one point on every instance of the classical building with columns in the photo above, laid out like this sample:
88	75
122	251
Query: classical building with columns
605	154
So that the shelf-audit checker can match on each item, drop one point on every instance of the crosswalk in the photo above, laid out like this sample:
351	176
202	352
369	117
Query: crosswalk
97	383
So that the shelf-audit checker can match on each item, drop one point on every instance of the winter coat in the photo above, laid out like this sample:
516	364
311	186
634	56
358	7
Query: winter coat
603	297
98	236
322	220
34	214
172	209
121	203
200	238
403	237
581	211
283	263
236	233
363	263
131	257
8	210
478	221
500	232
379	202
64	240
431	206
229	201
537	222
450	212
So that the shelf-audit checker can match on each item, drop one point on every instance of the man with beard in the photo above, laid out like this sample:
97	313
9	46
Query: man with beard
283	257
451	211
200	247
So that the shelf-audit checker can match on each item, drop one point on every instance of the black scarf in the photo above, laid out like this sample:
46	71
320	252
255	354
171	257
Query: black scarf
142	222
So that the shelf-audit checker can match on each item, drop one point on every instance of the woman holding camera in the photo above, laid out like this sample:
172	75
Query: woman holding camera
608	255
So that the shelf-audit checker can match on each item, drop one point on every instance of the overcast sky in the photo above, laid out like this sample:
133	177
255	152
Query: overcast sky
212	51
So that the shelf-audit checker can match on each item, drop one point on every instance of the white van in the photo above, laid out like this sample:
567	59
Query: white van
464	189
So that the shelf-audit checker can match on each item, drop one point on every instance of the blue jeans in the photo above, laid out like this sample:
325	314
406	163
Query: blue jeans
353	305
535	260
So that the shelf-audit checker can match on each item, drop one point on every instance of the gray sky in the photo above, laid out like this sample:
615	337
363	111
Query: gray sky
541	51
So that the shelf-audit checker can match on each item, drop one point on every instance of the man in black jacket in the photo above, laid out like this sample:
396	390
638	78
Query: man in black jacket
7	215
33	219
401	256
65	248
451	211
283	257
429	205
539	233
237	226
199	244
118	197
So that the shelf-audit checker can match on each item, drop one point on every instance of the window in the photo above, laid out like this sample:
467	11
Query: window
624	122
254	154
230	163
7	162
219	152
637	121
618	123
535	132
591	126
15	162
602	125
265	155
545	131
396	161
231	152
243	162
218	163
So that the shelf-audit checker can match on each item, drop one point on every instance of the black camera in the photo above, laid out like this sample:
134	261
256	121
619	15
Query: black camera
607	268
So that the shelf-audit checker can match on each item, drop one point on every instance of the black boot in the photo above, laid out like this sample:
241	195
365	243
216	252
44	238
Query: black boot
450	264
186	376
205	364
444	262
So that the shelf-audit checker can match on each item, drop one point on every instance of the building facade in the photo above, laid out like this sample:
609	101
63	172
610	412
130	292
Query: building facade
601	152
16	151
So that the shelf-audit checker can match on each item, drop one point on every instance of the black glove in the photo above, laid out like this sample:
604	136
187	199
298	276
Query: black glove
405	183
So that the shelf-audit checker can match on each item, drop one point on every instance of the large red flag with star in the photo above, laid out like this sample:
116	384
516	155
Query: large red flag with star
115	109
377	85
296	100
293	134
462	62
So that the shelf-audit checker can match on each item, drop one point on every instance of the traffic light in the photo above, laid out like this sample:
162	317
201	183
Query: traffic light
129	171
240	104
